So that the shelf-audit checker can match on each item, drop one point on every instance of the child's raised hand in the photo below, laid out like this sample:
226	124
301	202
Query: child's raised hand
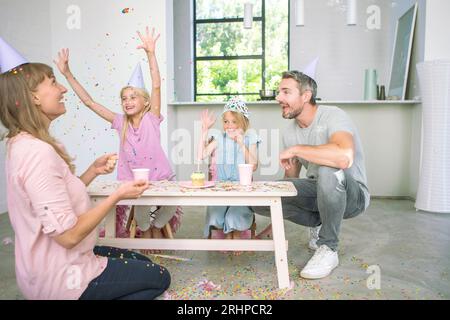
148	41
208	120
63	62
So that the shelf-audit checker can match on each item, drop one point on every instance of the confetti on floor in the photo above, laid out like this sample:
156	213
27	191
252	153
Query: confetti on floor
6	241
208	285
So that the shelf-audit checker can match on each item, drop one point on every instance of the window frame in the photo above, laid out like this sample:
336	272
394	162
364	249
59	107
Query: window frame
261	57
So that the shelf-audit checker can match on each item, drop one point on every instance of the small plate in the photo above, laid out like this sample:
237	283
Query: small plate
188	184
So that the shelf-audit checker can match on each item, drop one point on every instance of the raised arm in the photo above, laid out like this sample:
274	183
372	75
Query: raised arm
63	66
149	46
204	148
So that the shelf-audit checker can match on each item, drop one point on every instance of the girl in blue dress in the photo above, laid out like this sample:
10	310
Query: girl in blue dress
236	145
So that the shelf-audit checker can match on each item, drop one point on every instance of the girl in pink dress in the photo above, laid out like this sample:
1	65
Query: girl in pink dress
54	223
140	145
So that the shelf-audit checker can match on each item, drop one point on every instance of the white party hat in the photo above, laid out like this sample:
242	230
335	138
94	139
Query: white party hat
9	57
310	69
137	78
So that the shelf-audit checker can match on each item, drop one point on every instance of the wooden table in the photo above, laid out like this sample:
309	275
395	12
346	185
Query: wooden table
260	193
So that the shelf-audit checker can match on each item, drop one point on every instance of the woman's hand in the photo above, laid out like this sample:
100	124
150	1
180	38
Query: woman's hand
105	164
63	62
132	189
207	120
148	41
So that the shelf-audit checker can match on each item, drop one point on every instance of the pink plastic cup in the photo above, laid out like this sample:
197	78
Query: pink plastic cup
141	174
245	174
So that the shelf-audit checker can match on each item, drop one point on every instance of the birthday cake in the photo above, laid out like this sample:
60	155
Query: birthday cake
198	179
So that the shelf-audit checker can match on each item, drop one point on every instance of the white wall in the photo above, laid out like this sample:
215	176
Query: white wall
436	33
344	51
184	51
103	55
33	41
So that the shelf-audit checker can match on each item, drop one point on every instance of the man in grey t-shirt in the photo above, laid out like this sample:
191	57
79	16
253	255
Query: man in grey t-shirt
324	140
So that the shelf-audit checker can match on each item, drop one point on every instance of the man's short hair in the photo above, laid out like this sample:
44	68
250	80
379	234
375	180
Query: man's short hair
304	83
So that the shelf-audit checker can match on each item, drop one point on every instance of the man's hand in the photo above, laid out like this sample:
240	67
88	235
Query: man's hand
287	158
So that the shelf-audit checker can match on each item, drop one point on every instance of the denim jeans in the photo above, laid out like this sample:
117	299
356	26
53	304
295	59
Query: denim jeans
128	276
334	196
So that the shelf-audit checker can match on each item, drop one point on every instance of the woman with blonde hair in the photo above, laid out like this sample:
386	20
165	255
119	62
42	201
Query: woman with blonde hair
54	223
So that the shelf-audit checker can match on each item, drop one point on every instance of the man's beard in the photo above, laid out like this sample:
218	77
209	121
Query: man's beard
293	114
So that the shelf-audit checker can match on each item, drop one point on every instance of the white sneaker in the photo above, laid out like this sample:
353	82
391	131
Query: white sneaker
321	264
314	237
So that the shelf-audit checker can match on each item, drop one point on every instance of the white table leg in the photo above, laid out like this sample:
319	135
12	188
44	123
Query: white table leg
279	243
110	224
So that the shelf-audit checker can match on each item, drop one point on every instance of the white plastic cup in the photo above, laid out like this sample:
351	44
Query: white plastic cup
141	174
245	174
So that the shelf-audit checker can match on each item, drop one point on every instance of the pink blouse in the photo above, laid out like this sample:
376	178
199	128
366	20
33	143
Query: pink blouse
44	200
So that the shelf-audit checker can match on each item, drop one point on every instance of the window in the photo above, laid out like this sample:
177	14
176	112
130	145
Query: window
230	60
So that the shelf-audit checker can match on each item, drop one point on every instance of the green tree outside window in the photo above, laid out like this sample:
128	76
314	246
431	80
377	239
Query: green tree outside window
230	60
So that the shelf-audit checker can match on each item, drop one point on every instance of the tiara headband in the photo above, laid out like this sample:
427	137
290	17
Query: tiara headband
237	105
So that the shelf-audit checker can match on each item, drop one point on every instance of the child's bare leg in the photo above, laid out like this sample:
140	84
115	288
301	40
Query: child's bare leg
148	234
228	236
237	236
157	233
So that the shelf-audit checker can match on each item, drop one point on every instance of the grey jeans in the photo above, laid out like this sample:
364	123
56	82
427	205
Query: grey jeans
334	196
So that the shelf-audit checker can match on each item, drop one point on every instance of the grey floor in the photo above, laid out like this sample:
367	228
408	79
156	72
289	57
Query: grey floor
411	249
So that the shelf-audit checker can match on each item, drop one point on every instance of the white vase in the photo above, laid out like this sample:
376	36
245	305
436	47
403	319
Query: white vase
434	179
